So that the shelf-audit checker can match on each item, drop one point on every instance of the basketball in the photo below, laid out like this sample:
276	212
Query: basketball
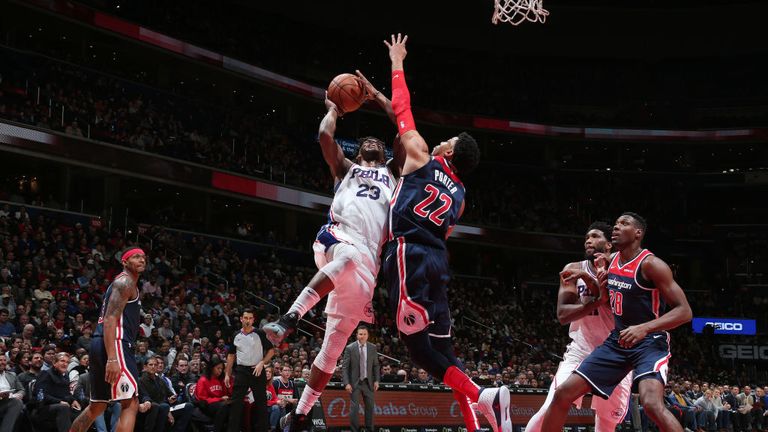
347	92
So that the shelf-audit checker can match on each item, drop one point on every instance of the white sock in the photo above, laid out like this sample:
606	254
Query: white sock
305	301
307	401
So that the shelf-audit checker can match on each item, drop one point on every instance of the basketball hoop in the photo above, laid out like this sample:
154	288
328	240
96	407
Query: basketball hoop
516	12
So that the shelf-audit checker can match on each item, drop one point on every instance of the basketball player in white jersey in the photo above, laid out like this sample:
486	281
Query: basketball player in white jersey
347	252
580	303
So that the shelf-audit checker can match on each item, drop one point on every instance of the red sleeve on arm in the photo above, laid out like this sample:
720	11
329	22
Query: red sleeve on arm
401	103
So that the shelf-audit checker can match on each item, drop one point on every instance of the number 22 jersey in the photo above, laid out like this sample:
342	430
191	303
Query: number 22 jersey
426	204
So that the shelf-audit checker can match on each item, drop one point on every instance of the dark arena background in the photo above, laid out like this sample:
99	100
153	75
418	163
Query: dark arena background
190	129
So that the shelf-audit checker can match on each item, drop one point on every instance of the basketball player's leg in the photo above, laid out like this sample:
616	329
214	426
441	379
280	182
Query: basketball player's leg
443	342
335	265
129	408
652	398
101	392
610	412
564	371
599	373
86	418
420	289
554	416
650	375
337	332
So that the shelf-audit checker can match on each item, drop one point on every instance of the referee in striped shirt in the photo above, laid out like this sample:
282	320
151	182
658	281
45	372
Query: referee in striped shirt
250	352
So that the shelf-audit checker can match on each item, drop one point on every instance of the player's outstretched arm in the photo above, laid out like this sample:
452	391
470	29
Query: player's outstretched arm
569	305
416	150
658	272
332	152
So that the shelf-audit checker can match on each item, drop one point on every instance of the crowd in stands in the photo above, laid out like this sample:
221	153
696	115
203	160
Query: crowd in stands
54	271
527	197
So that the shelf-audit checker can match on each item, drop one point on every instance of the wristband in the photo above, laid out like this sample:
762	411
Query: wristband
112	361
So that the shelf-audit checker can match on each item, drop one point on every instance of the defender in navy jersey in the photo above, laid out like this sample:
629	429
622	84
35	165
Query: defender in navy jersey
580	304
347	251
113	373
638	286
427	204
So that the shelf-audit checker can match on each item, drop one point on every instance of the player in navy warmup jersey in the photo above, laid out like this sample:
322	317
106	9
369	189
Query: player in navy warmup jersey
427	204
639	287
113	372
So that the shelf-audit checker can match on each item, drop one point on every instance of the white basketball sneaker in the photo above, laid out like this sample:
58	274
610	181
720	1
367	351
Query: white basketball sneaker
494	404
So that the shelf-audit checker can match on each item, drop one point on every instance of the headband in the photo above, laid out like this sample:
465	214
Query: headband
131	252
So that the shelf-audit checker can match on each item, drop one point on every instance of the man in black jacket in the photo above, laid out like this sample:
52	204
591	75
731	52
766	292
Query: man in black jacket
150	390
729	397
57	405
161	395
35	369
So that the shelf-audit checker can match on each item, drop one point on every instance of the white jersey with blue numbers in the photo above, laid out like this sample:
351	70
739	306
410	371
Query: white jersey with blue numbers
360	209
590	330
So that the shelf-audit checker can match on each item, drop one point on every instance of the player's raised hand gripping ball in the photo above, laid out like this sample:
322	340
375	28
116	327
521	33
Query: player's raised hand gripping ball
347	92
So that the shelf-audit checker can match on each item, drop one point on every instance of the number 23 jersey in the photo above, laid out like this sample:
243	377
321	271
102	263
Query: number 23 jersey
359	210
426	204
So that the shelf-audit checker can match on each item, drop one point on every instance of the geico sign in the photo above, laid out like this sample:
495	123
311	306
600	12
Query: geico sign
744	352
726	326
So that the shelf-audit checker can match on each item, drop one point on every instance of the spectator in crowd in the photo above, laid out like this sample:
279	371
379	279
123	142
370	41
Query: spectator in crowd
11	396
49	356
744	413
759	420
215	396
182	377
423	378
147	325
157	394
707	411
690	413
722	408
153	416
165	331
695	392
35	365
732	399
57	406
271	393
287	395
6	326
388	375
182	412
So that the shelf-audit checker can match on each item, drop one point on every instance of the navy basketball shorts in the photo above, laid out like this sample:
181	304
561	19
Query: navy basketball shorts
417	276
609	363
126	386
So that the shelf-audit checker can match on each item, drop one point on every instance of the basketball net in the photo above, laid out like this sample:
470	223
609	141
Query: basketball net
518	11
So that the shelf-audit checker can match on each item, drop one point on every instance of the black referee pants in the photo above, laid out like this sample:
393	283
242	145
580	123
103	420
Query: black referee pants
244	379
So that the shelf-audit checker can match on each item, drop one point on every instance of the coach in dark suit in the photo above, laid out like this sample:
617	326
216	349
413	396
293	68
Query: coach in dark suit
361	375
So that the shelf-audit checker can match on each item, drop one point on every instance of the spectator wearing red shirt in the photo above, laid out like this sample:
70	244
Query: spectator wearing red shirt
211	390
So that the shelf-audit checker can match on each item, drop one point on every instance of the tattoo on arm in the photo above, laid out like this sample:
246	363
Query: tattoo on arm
121	292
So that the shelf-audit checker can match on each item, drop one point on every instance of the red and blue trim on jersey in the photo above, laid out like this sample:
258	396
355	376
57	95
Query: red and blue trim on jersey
402	273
